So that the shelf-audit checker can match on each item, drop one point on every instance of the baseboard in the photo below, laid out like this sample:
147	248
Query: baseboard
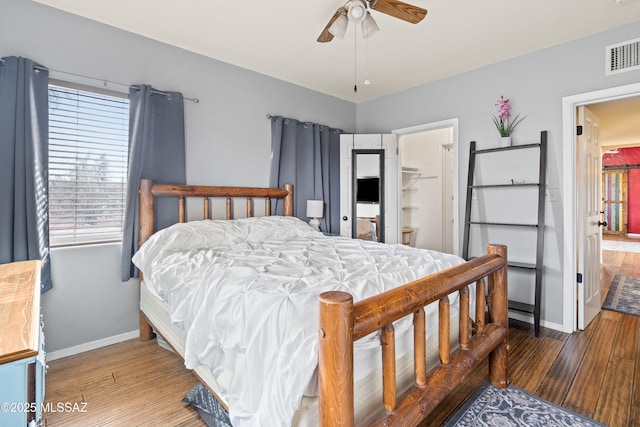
529	319
81	348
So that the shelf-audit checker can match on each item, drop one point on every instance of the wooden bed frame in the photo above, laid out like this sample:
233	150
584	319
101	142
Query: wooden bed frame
342	321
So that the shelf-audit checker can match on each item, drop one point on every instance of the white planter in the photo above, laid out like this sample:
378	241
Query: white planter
505	141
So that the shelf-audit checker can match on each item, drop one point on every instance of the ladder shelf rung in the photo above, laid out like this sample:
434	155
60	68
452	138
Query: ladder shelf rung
504	224
521	307
530	184
523	265
512	147
514	264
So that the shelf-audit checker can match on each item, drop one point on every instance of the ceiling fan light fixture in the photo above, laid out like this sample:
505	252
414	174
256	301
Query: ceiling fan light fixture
369	26
356	11
339	26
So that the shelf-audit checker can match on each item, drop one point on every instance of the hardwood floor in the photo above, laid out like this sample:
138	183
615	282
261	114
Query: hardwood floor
595	372
132	383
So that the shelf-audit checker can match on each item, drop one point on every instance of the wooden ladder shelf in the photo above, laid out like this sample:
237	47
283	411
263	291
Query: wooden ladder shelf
536	266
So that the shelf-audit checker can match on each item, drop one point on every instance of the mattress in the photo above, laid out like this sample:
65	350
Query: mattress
244	293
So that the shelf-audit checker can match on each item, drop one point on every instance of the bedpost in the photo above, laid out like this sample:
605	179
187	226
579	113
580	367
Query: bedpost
335	360
146	331
288	201
146	210
498	314
146	230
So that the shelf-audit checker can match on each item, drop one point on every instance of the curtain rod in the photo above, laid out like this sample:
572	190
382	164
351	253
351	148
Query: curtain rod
158	92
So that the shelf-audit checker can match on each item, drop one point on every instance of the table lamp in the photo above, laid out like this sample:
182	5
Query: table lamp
314	211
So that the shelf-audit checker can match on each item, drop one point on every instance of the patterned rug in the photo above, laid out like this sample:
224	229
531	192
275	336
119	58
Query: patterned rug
624	295
513	407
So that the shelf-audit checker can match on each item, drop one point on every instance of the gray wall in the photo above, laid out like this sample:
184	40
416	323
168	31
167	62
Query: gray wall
536	84
228	141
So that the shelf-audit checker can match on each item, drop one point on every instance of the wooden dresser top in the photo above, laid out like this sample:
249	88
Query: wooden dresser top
19	310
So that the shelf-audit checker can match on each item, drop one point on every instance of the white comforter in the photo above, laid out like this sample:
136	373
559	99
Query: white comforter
246	292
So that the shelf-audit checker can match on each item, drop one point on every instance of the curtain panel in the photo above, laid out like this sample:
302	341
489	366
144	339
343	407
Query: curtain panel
307	155
24	146
157	152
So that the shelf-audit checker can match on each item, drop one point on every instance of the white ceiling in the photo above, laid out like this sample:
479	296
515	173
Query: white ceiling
278	37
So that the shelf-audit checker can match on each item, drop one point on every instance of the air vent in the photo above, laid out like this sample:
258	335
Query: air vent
623	56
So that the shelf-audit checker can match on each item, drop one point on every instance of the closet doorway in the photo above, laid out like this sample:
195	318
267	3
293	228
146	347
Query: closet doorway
428	186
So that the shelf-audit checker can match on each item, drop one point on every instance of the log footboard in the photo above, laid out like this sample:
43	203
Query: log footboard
342	322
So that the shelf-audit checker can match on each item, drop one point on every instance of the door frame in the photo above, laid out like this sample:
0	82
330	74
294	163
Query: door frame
448	123
569	106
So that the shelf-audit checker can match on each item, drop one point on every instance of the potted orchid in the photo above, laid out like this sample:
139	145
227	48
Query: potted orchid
503	121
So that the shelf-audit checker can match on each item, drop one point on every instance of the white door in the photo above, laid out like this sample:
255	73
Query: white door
589	170
388	143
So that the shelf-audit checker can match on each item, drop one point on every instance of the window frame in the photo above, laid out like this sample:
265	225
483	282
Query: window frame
93	240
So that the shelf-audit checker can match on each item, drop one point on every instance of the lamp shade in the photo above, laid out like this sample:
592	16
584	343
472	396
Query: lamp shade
339	26
369	26
315	208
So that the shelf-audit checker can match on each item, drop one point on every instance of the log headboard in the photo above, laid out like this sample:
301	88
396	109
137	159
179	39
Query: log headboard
149	190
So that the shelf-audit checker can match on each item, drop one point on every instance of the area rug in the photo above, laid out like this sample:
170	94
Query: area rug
491	406
620	246
210	410
624	295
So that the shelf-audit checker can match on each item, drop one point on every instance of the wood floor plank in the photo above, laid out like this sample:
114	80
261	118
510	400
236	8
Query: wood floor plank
559	378
614	404
630	266
634	420
544	354
585	388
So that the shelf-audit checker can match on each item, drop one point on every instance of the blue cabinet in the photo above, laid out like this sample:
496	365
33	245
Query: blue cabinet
22	366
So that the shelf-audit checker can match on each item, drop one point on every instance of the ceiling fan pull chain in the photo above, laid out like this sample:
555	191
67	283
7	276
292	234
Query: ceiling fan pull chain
355	59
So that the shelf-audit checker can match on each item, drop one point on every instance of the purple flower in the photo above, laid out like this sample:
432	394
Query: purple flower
505	128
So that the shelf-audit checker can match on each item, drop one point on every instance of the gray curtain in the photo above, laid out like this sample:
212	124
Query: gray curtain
24	156
157	152
307	155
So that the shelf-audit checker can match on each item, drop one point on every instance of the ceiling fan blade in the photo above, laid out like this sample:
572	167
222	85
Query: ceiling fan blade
326	36
400	10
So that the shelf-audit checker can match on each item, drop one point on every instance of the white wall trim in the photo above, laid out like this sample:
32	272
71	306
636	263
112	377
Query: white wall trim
569	105
449	123
81	348
528	319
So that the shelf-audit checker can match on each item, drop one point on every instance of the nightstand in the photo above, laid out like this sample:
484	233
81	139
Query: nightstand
22	365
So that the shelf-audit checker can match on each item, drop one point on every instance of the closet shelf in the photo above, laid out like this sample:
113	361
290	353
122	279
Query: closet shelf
408	169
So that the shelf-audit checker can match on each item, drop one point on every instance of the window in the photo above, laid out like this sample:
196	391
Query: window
88	153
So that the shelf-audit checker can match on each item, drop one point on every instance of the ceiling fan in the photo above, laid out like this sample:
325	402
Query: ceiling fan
356	11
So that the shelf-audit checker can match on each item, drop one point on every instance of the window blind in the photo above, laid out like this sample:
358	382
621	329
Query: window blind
88	154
